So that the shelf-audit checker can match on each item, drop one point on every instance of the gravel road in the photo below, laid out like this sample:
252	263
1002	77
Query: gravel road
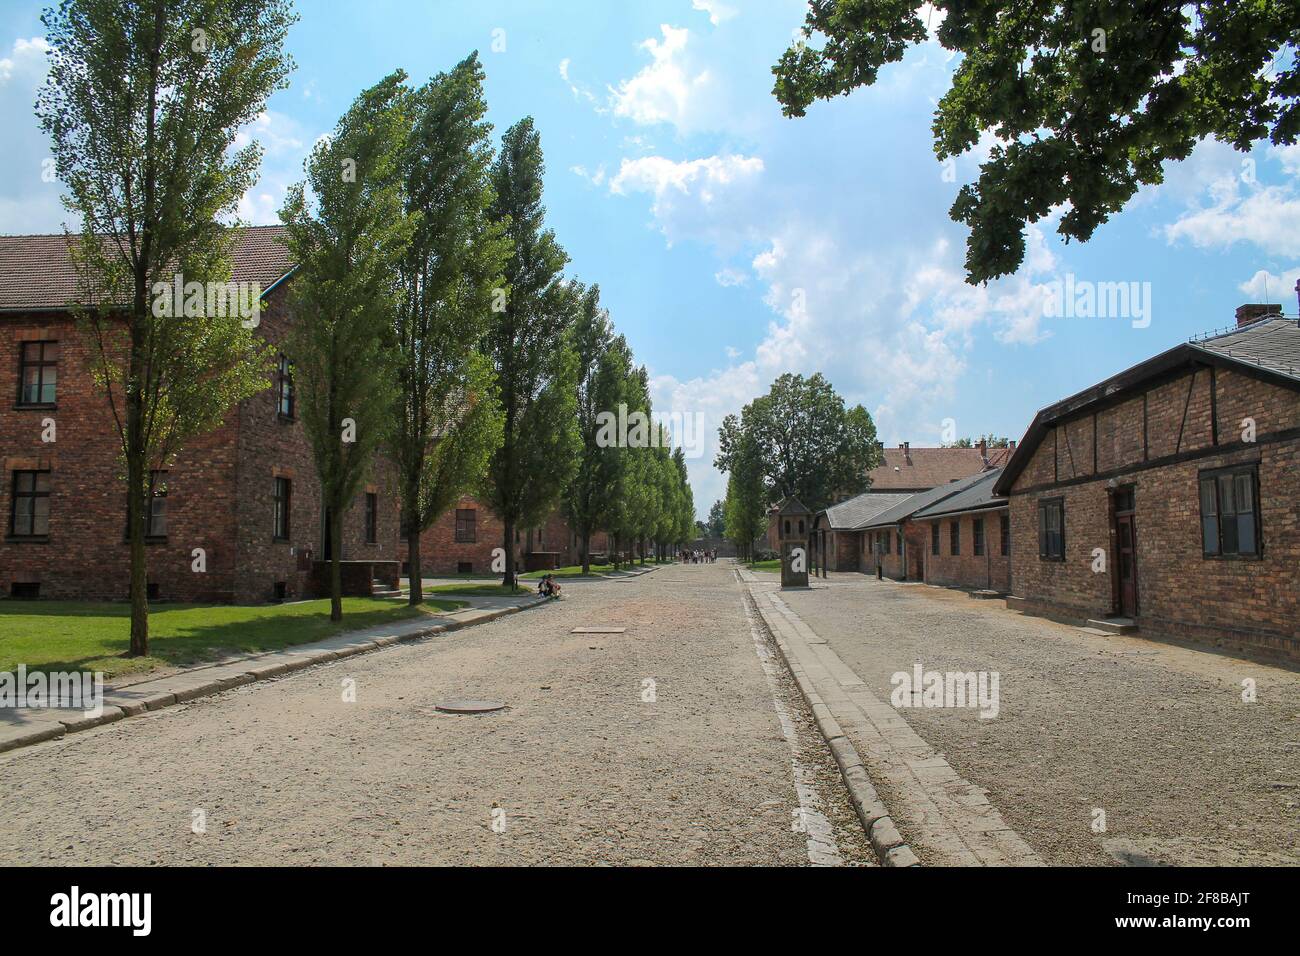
1156	736
723	767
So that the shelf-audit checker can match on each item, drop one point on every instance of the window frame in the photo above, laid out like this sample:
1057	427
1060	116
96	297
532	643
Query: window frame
1004	535
281	508
33	495
41	364
977	536
1214	476
466	528
936	534
152	496
1045	553
284	390
954	538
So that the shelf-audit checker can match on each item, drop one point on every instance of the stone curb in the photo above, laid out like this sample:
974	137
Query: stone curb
203	682
885	839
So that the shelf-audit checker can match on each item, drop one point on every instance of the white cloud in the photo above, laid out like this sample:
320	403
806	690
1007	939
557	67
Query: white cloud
1266	217
27	59
716	9
730	277
699	198
279	134
578	91
670	89
596	179
1264	286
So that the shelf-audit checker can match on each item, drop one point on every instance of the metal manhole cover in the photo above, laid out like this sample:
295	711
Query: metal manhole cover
466	705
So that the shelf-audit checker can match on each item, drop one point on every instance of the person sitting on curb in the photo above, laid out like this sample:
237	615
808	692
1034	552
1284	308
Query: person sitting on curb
547	587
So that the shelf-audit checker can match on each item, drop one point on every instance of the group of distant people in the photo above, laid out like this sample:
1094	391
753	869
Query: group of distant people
698	556
547	586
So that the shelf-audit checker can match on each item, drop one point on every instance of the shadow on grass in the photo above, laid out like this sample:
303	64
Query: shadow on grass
65	636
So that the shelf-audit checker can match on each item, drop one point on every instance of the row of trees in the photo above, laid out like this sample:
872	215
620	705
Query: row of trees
435	325
435	322
799	440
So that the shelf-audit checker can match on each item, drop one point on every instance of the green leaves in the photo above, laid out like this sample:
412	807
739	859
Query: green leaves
344	295
799	440
1089	100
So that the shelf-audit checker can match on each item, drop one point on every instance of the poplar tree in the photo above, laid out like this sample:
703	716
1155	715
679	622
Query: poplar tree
142	103
447	419
531	346
345	297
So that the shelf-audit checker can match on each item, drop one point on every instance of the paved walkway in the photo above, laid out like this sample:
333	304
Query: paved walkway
1154	736
679	740
138	693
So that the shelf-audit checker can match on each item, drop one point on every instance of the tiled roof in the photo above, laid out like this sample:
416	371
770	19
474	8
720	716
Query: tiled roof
1272	343
975	495
930	467
1268	348
36	272
855	512
913	504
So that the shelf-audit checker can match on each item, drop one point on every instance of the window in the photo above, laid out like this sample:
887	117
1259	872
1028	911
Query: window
954	538
30	515
38	373
1004	524
1229	518
977	536
284	388
884	542
401	528
465	567
466	533
934	538
1051	529
372	517
898	541
156	525
283	494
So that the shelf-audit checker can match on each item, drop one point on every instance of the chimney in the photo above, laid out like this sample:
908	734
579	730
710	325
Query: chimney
906	448
1012	444
1253	312
983	447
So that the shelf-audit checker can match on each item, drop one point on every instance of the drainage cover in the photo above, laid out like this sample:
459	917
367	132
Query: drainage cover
466	705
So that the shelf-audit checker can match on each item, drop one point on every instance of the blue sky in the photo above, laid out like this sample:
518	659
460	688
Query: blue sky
732	245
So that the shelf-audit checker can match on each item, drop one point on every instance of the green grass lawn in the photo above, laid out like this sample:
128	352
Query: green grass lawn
572	571
773	565
65	635
479	590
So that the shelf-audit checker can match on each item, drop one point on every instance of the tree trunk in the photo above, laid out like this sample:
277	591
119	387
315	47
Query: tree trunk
586	551
509	579
136	482
415	576
411	515
336	567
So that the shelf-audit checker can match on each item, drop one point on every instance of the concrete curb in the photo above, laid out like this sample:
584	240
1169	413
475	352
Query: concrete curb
205	681
885	839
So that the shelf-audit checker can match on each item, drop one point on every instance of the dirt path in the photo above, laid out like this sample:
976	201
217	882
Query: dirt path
1156	736
722	767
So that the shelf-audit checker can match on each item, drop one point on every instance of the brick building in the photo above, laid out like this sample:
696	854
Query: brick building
246	494
1183	473
463	540
966	536
903	472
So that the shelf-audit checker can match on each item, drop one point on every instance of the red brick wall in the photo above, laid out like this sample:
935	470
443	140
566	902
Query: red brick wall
220	490
441	553
992	569
86	556
1232	601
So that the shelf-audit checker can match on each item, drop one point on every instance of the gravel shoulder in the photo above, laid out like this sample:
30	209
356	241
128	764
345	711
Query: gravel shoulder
723	767
1156	736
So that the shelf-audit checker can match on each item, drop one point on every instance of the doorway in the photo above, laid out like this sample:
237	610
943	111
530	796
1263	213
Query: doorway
1126	551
